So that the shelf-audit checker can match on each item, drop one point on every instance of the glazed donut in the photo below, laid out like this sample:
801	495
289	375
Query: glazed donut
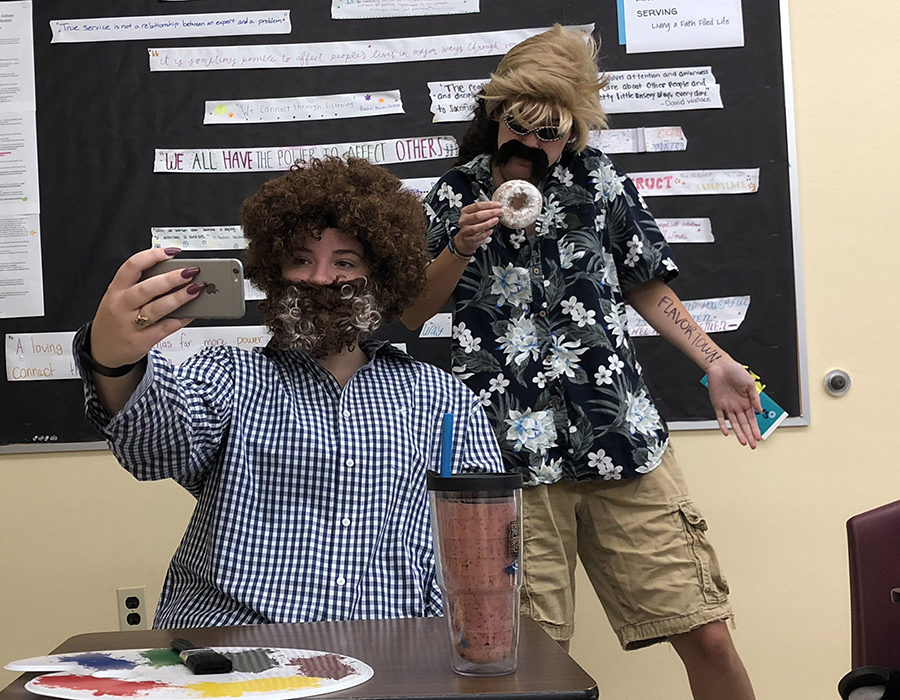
521	202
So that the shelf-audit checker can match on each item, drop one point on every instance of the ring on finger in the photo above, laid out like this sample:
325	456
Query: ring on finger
142	321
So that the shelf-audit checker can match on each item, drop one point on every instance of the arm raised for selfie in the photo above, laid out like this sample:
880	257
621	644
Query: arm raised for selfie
130	320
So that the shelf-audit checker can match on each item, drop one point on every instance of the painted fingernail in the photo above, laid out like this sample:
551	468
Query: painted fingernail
189	272
195	288
171	251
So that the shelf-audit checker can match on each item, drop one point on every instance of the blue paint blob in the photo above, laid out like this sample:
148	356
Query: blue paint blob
99	662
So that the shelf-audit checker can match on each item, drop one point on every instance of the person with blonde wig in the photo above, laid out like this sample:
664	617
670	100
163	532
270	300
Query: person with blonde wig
540	334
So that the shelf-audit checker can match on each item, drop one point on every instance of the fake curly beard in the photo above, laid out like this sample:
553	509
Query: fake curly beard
321	319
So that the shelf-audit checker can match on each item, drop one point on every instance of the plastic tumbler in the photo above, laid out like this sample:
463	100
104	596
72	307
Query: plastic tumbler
476	521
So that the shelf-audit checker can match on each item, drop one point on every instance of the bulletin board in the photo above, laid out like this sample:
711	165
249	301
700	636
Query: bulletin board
101	115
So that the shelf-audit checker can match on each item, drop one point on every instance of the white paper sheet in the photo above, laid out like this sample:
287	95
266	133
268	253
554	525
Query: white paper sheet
130	28
39	356
647	139
661	90
438	326
674	25
21	273
287	109
697	230
19	191
679	182
341	53
369	9
715	315
239	160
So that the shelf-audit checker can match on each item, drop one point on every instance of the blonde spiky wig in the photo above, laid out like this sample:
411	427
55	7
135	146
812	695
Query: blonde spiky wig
550	78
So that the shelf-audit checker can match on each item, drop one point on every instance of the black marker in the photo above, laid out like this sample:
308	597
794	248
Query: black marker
199	659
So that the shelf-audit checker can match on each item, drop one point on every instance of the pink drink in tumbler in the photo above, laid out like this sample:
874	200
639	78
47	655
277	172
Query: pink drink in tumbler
476	521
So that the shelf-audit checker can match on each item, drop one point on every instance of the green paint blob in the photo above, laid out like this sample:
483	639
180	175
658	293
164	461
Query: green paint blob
161	657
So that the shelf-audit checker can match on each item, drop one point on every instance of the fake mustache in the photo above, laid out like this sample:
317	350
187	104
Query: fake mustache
513	148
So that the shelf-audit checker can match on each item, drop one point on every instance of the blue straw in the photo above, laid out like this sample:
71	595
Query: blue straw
446	444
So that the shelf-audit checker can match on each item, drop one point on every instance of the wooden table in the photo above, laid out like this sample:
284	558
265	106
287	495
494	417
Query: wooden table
410	658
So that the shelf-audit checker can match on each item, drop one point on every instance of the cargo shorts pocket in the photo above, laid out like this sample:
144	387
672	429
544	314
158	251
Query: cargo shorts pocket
712	581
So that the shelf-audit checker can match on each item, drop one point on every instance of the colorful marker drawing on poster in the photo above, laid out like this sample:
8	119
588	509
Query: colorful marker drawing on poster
679	182
287	109
370	9
158	674
241	160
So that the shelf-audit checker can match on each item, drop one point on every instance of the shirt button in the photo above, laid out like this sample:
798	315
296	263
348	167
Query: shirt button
340	580
350	463
345	522
346	414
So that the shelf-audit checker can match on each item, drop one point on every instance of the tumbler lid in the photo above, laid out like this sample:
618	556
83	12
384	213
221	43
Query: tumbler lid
475	481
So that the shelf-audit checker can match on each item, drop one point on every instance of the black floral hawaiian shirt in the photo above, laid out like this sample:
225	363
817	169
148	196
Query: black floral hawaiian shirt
539	323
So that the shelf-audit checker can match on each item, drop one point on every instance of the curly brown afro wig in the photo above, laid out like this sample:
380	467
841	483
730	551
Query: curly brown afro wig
358	198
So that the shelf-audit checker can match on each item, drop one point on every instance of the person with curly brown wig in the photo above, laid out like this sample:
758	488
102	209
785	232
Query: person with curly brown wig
540	333
307	457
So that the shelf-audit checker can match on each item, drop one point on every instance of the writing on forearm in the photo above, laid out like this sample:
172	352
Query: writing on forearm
683	322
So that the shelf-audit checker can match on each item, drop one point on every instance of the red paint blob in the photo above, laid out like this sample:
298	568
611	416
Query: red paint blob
100	686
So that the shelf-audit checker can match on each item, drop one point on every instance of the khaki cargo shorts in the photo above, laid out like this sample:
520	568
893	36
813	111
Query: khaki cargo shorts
641	541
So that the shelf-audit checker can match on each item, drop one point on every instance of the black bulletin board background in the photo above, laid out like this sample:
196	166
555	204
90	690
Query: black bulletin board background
101	114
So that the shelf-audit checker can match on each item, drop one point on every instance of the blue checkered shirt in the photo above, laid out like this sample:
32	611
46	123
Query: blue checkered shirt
311	499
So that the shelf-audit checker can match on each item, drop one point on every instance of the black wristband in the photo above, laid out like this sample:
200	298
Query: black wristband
84	354
451	246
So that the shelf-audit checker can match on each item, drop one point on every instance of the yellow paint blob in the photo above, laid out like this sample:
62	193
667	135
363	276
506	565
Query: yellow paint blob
236	689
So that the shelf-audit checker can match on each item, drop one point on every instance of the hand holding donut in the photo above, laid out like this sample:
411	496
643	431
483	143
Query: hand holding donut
476	223
129	320
522	203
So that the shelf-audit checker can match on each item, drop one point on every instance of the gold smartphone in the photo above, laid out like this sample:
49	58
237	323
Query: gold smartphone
223	295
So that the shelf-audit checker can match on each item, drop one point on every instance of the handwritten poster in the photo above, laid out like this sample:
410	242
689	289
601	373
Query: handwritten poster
454	100
715	315
129	28
47	356
239	160
697	230
341	53
675	25
287	109
679	182
369	9
661	90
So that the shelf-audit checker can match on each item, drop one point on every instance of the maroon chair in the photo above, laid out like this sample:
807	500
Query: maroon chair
873	540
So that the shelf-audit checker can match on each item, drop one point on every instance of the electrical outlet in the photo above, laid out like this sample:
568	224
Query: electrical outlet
132	608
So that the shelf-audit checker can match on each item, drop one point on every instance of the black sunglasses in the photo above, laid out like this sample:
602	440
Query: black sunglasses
543	133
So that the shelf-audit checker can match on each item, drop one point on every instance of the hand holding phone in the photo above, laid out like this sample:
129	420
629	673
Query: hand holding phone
223	293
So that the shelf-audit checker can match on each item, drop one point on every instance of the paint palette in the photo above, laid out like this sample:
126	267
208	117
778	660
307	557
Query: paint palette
158	674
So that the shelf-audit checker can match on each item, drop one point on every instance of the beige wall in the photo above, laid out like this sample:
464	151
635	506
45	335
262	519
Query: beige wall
74	527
